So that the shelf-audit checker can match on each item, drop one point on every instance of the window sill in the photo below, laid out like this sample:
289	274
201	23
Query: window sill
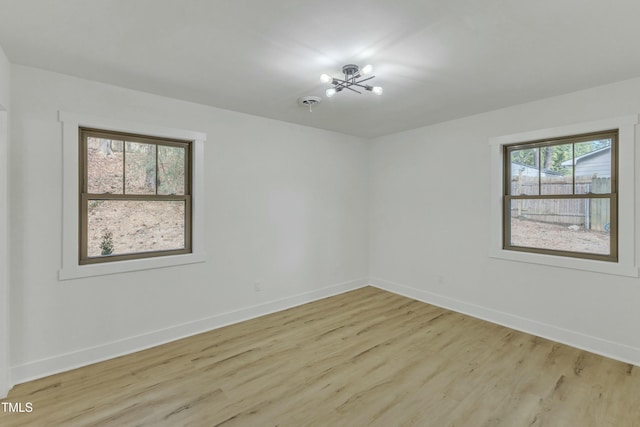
604	267
89	270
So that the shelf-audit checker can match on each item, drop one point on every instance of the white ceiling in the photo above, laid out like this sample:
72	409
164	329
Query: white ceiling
436	59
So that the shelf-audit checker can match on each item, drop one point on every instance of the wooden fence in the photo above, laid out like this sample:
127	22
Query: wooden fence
591	214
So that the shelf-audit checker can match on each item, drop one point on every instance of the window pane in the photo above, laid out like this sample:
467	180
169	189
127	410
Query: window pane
556	173
140	168
171	176
525	172
104	166
117	227
593	167
574	225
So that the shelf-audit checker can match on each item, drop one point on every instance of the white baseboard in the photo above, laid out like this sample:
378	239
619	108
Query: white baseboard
613	350
64	362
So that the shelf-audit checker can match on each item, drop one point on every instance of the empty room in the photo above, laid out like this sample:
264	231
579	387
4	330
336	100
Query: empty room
295	213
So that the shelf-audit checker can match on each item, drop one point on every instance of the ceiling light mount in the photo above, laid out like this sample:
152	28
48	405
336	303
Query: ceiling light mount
350	69
353	76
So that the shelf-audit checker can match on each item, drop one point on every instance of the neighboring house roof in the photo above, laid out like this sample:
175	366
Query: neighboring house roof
586	156
543	171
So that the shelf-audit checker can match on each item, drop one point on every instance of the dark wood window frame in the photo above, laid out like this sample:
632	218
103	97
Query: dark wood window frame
612	196
86	197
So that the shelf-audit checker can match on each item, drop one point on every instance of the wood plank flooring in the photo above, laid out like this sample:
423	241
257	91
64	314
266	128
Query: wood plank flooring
363	358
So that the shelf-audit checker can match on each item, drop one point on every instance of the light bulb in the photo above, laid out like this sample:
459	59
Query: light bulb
367	69
377	90
330	92
326	78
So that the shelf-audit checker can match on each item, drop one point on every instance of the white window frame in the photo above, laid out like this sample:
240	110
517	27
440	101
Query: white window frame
626	265
71	123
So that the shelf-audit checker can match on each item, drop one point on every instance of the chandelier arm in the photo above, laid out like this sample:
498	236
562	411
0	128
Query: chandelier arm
364	80
349	87
362	86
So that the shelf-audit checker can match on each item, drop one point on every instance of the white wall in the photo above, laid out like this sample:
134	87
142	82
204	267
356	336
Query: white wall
4	248
284	206
5	71
429	223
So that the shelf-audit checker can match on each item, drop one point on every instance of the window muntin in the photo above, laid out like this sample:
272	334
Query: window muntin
560	196
135	196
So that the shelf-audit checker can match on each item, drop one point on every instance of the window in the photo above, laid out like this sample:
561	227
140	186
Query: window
560	196
135	196
565	196
129	183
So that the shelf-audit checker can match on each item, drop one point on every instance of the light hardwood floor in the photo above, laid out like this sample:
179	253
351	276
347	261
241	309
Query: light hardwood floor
363	358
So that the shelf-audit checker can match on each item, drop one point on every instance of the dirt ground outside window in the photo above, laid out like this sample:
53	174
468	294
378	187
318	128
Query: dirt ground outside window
534	234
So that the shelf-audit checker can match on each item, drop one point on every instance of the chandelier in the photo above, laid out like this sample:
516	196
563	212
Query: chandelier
353	76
